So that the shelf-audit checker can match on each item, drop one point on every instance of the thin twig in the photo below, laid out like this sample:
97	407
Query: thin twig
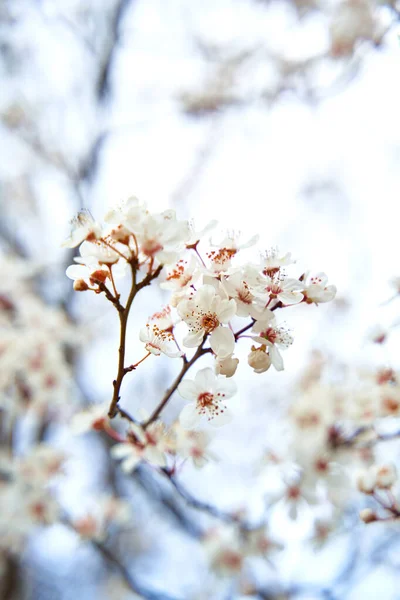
123	313
185	368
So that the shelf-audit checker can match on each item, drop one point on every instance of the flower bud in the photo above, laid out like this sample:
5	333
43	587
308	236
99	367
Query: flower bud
259	359
226	366
98	276
386	476
366	483
368	515
80	285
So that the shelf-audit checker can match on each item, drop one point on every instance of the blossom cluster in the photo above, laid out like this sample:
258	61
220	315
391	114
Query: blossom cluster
35	375
26	499
333	446
230	548
212	292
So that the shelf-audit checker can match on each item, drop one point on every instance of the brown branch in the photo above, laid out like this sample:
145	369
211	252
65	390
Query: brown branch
198	504
337	439
185	368
123	314
123	319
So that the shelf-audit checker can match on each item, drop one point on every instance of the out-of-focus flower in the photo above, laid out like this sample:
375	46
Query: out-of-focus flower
381	477
352	20
107	511
142	444
191	444
225	551
84	227
94	418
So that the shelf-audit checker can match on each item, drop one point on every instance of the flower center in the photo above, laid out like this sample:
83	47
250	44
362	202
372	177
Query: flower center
209	322
274	289
205	400
270	334
244	295
150	247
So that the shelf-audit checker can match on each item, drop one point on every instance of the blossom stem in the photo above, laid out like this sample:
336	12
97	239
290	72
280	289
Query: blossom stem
245	328
113	282
249	325
198	504
185	368
113	299
103	241
133	367
123	318
199	255
123	313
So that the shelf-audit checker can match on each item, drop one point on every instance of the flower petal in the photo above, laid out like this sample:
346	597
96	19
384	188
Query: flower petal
205	380
188	389
193	339
276	357
227	310
121	450
226	386
222	342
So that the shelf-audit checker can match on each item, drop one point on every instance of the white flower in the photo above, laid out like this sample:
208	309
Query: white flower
182	276
316	290
204	314
106	511
95	262
207	394
225	550
143	444
231	242
131	214
163	236
278	287
259	543
100	253
158	341
273	336
237	288
163	319
84	227
94	417
192	444
272	262
196	235
89	275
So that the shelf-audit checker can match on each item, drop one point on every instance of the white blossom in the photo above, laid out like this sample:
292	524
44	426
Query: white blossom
158	341
206	313
274	336
207	394
316	290
143	444
84	227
